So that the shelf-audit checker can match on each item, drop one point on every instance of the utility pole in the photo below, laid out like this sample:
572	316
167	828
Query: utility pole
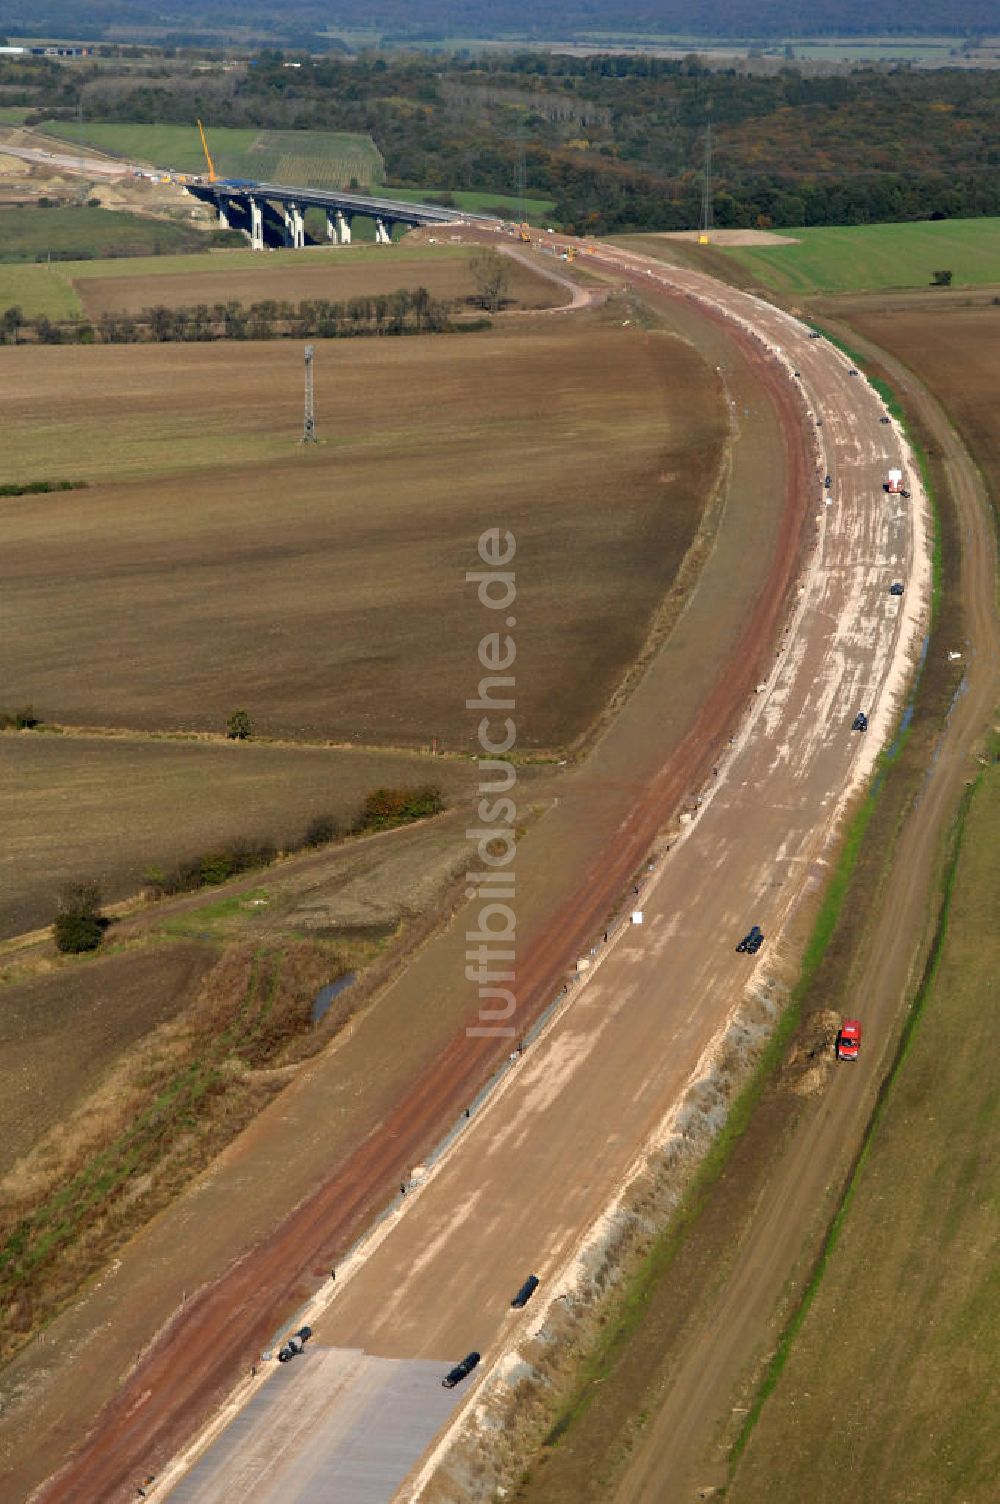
309	418
706	191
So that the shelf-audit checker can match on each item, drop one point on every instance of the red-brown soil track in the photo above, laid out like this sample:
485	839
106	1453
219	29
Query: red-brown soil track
212	1339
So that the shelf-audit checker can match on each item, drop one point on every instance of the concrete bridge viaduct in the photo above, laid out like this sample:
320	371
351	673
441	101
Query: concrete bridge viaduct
274	213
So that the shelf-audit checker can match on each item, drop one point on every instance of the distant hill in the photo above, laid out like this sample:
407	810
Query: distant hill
301	22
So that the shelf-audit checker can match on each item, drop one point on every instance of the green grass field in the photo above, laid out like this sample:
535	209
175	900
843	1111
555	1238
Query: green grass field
81	231
280	261
874	258
890	1388
40	290
310	159
13	114
49	290
478	200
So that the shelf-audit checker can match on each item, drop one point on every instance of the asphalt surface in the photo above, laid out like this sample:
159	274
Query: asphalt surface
539	1165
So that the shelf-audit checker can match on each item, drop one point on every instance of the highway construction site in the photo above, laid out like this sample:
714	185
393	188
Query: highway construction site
392	1200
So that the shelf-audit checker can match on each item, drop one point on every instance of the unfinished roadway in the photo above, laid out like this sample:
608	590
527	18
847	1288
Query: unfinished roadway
535	1167
543	1157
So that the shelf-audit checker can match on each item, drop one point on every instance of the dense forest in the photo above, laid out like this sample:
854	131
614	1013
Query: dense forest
301	22
618	142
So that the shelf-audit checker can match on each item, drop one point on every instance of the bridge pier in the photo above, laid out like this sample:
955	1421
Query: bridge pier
274	214
256	226
295	230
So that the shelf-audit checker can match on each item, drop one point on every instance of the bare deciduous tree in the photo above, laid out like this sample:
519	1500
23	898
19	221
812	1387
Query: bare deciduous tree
489	272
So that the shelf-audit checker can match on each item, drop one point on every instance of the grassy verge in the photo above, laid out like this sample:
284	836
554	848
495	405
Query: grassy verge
623	1321
910	1246
166	1110
639	1325
913	1018
633	1306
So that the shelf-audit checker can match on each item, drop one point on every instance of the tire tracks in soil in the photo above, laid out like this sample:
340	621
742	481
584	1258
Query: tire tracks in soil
197	1358
721	1356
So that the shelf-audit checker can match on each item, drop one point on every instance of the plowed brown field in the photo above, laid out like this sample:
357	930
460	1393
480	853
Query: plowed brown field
320	275
104	1008
145	1422
324	589
127	795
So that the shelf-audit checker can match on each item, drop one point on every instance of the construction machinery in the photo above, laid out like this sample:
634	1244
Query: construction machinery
208	156
524	232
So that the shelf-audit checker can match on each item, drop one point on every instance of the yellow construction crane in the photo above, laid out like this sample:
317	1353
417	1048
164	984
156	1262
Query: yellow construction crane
208	158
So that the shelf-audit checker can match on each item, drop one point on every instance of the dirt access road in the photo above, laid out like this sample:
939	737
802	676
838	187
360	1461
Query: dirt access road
687	1439
538	1166
91	167
573	865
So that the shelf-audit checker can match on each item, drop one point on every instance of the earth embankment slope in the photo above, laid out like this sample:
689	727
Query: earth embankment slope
180	1394
707	1364
542	1161
921	1194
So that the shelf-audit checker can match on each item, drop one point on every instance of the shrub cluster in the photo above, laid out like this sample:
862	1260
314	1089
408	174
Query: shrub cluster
22	719
211	868
40	487
239	726
321	831
387	807
382	809
79	925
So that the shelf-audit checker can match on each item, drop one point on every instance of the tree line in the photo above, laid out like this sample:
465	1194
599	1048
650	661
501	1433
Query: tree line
618	142
307	22
407	311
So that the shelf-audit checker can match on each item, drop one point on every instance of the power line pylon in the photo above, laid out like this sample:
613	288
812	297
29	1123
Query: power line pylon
309	417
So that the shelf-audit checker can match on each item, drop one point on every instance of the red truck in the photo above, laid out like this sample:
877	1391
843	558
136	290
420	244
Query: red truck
849	1039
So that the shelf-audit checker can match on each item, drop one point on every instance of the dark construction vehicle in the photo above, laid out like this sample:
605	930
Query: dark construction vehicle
295	1344
525	1293
460	1371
